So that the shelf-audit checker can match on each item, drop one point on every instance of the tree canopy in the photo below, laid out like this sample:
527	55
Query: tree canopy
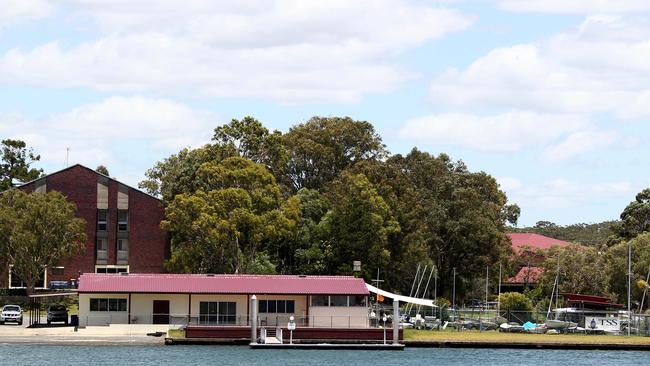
322	195
37	230
15	163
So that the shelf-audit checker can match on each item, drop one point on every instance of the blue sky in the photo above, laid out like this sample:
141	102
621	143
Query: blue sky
550	97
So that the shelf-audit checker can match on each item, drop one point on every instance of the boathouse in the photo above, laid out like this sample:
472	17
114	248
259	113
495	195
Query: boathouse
222	300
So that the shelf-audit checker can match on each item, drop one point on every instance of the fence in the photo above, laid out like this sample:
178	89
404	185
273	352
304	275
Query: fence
179	320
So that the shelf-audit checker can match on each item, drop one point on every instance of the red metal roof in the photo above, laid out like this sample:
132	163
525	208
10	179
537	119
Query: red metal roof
534	241
526	275
222	284
590	300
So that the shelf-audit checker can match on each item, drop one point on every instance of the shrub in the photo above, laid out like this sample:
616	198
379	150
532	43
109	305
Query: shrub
515	301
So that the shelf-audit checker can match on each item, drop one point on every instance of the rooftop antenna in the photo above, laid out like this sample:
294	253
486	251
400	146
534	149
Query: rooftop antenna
67	155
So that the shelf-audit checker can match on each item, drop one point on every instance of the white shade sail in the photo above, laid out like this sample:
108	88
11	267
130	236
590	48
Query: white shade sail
401	298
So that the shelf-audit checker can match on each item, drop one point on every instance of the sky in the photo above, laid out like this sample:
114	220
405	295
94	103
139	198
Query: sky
551	97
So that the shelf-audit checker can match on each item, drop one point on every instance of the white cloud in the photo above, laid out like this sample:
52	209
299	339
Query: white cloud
562	193
105	132
576	6
509	183
291	51
579	143
21	11
600	67
512	131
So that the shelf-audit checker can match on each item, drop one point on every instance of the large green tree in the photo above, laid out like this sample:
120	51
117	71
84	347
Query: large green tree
582	270
15	163
458	216
38	230
226	225
617	257
359	226
321	148
635	218
177	173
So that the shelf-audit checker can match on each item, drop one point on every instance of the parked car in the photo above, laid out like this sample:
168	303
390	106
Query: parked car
57	313
11	313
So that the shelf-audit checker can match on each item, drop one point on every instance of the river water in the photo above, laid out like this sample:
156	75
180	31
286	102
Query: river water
17	354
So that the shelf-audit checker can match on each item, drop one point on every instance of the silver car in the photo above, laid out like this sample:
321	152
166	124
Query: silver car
11	313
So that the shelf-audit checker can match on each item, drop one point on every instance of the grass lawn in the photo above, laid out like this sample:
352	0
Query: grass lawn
176	333
494	336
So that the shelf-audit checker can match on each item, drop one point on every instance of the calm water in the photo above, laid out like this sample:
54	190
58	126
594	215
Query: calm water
223	355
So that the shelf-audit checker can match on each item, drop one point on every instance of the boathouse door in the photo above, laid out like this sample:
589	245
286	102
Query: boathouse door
161	311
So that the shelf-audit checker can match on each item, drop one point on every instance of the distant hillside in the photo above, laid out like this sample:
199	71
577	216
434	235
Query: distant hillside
586	234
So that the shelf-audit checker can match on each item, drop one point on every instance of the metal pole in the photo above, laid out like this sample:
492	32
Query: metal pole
499	298
254	319
629	289
396	321
453	296
487	282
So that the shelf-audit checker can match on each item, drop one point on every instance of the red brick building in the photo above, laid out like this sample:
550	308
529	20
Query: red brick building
122	226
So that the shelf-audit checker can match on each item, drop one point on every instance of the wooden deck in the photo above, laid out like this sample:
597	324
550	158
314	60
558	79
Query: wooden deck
299	335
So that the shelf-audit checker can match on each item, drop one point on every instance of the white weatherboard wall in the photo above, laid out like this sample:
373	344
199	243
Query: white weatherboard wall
87	317
338	316
142	307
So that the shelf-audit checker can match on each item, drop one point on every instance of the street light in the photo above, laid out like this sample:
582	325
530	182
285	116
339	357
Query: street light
291	326
384	319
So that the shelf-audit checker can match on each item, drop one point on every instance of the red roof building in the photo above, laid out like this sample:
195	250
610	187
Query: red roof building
222	284
122	227
526	275
529	248
534	241
222	300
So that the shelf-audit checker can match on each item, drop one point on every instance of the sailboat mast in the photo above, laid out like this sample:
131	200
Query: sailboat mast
499	298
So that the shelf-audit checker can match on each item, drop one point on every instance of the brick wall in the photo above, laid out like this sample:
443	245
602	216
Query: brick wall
148	244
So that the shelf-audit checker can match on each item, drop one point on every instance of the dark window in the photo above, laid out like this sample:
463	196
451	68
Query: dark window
221	312
122	220
107	304
102	220
101	244
123	245
57	271
320	300
122	251
338	301
357	301
111	270
277	306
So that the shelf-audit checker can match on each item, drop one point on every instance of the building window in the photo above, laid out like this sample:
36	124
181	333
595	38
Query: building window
107	304
102	220
111	269
320	300
122	251
338	300
357	301
277	306
102	250
122	220
57	271
17	282
218	312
